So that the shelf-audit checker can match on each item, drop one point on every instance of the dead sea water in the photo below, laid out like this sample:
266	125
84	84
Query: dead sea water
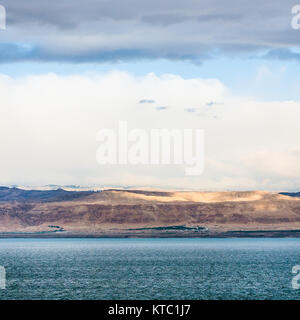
149	268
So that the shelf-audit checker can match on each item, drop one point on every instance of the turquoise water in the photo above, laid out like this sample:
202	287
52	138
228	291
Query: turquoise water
149	268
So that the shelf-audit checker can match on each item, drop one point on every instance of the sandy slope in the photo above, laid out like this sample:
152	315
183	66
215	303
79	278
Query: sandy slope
120	210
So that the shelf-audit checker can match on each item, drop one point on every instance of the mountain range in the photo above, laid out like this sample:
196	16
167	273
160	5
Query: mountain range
147	213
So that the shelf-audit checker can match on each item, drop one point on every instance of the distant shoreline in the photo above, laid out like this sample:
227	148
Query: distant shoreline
124	234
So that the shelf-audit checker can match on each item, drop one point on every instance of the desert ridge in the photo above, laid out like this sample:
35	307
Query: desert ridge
141	213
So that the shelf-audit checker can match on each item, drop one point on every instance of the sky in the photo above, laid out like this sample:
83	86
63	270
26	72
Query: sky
69	69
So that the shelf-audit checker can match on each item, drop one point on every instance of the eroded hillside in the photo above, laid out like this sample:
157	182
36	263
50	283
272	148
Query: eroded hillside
118	210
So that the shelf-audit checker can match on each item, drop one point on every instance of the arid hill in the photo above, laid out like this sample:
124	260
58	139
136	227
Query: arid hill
15	194
120	212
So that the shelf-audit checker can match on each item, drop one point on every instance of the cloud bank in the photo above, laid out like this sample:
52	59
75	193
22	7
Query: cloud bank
121	30
48	127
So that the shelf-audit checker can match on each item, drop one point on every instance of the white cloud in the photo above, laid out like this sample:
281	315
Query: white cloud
48	127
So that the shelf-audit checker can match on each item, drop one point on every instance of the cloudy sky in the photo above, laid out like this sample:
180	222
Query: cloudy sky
71	68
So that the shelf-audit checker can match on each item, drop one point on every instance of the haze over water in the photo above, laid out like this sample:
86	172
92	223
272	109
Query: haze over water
149	268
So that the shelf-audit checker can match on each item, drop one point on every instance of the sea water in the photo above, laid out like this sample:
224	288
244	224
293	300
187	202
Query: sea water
149	268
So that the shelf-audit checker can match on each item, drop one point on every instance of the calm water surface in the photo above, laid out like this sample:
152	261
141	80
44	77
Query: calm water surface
149	268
